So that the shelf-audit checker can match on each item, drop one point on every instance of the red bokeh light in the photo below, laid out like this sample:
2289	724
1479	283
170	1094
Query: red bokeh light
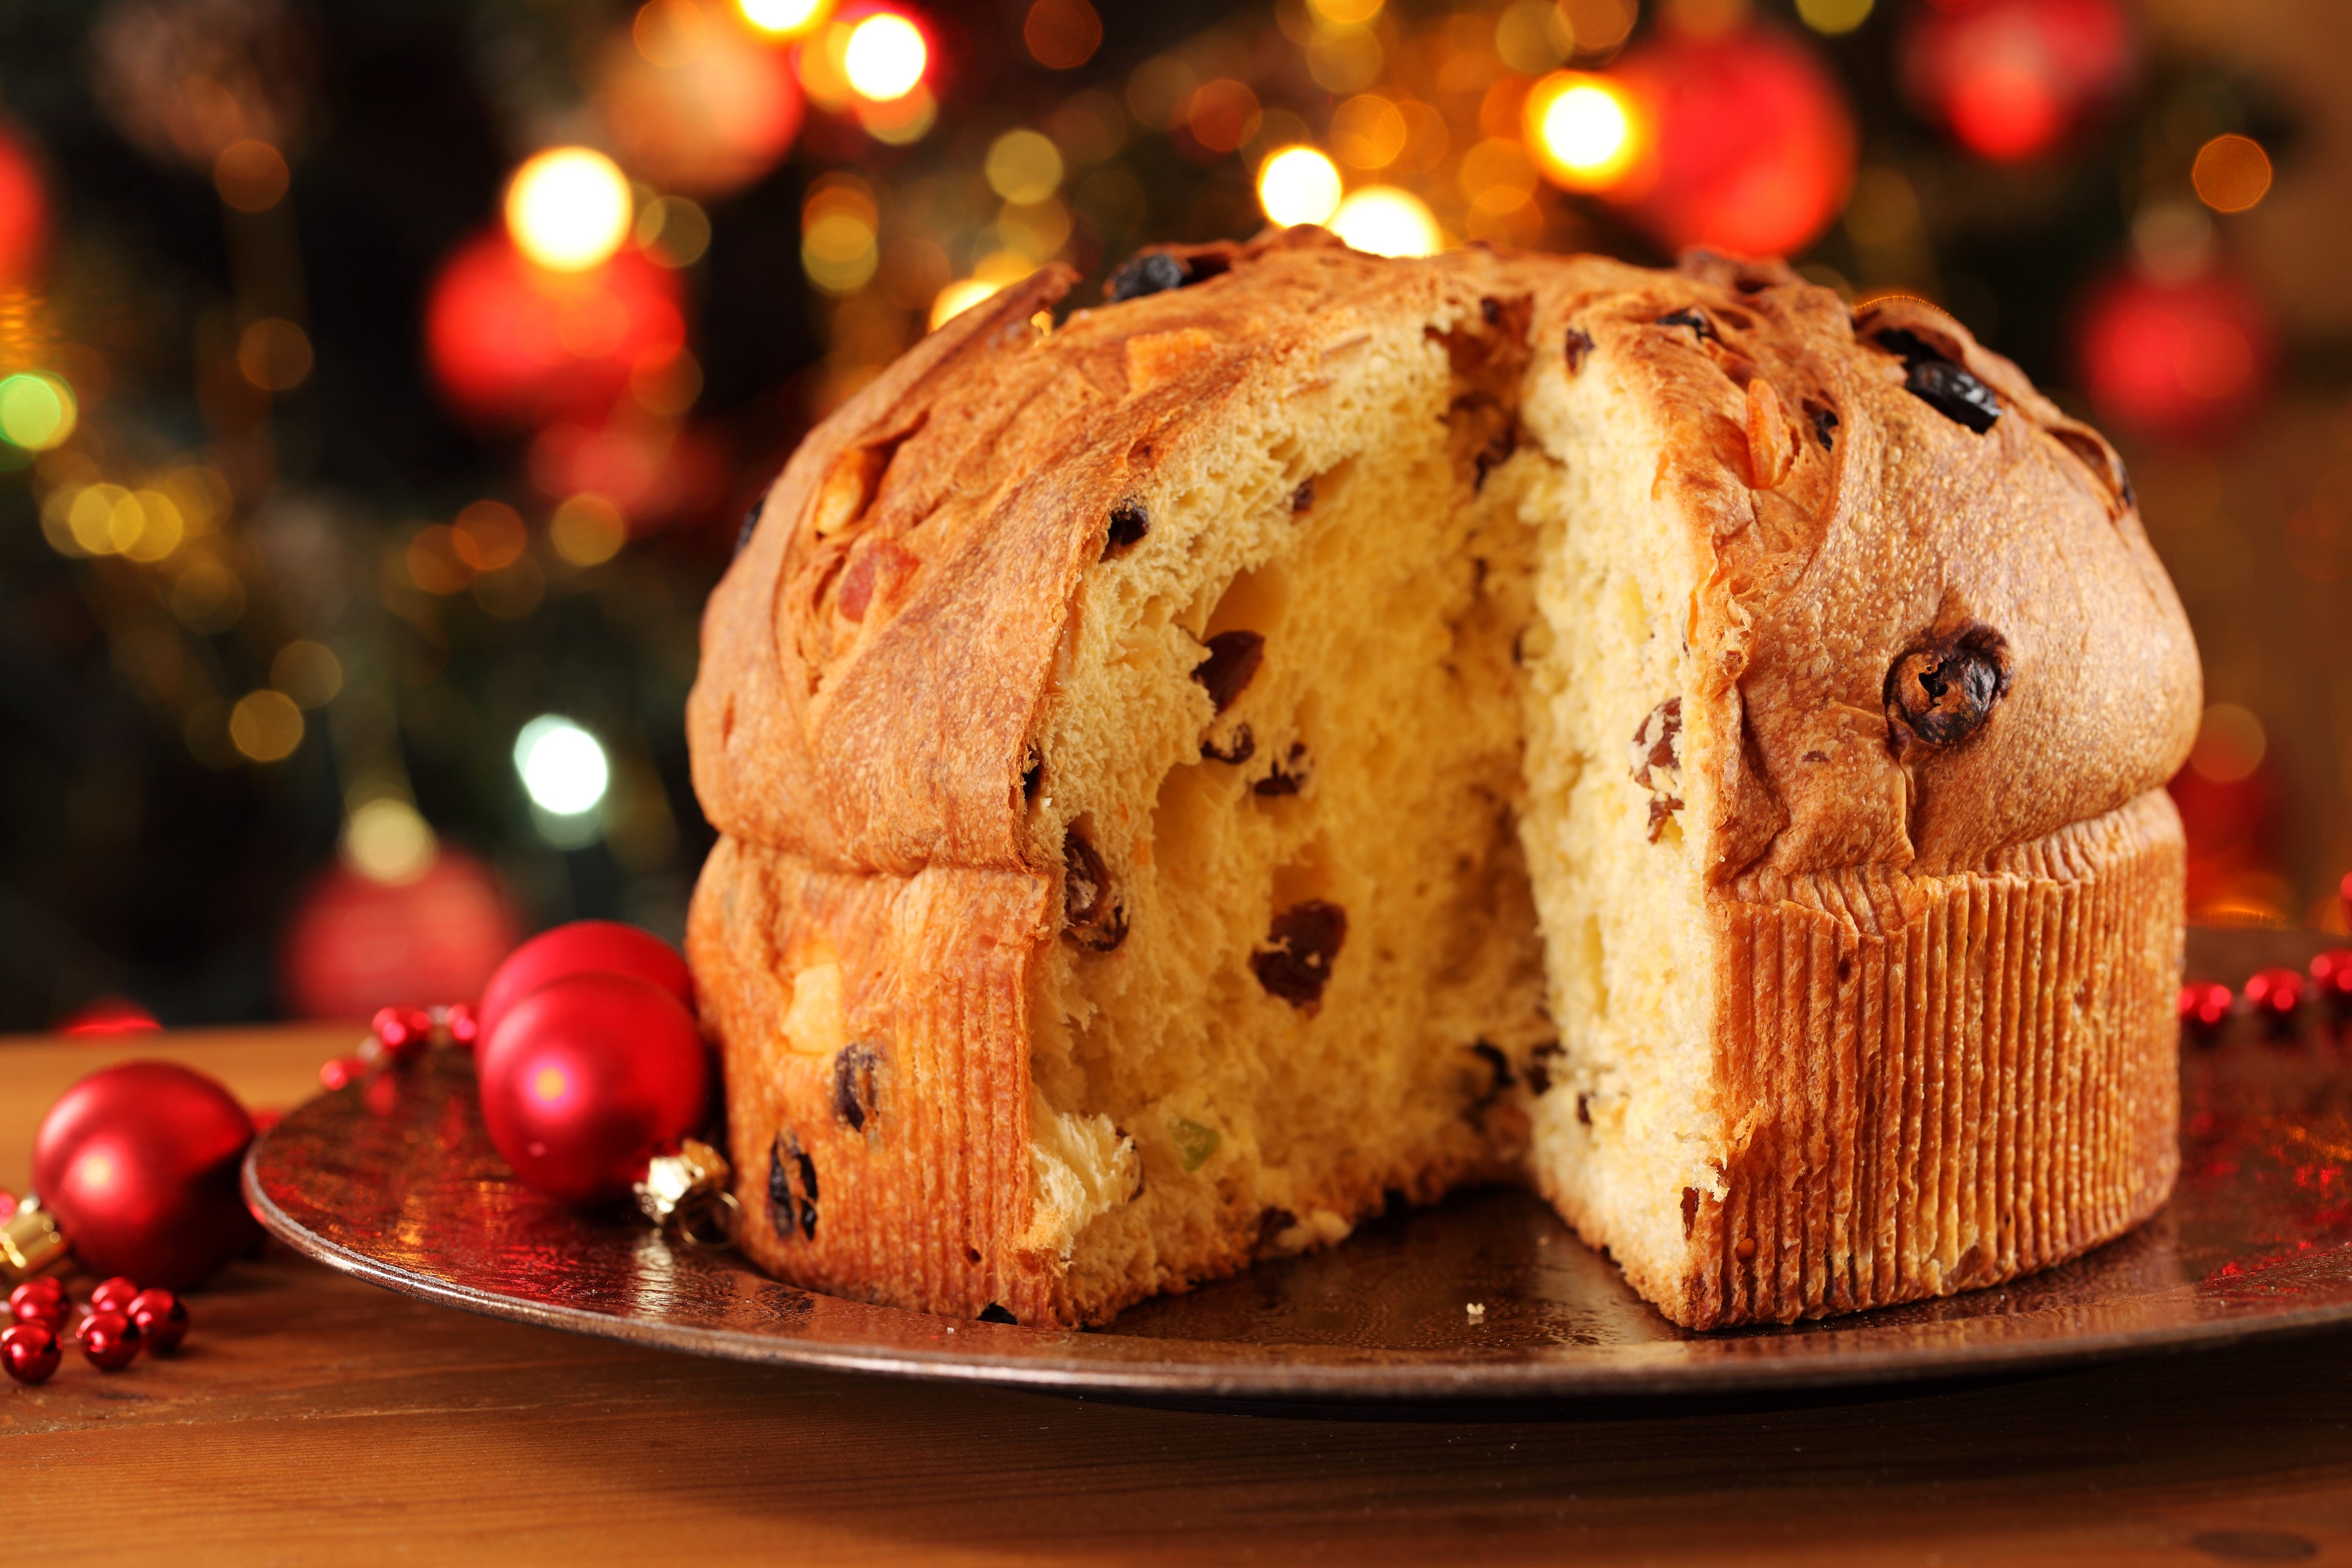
2176	359
2013	78
1751	147
107	1018
24	212
513	343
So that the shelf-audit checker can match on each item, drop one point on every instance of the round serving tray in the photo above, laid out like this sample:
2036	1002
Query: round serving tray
395	1181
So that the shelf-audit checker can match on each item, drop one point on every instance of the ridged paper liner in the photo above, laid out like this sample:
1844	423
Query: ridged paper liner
1942	1082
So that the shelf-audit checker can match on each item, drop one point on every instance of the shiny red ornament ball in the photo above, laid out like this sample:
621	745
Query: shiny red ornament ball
2204	1005
2274	994
583	1078
140	1165
29	1352
1749	145
582	947
162	1319
37	1302
110	1339
113	1295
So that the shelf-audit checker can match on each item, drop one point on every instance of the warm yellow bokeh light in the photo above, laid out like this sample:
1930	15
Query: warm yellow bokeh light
1023	166
958	297
784	18
569	208
587	529
266	726
886	58
37	411
1298	185
1581	129
1386	221
1834	16
386	840
1345	12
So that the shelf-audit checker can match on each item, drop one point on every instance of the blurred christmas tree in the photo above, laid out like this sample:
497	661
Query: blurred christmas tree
384	384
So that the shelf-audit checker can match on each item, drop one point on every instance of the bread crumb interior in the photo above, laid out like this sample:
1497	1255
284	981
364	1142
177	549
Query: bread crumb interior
1310	974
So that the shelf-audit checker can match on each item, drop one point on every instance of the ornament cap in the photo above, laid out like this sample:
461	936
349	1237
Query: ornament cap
31	1244
685	1191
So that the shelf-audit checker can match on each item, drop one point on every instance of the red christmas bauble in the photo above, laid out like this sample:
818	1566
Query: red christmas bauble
586	1077
2187	359
356	944
1750	146
110	1339
582	947
29	1352
113	1295
162	1317
140	1163
515	343
2012	79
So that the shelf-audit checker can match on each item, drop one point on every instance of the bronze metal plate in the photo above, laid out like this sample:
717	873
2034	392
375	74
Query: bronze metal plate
395	1181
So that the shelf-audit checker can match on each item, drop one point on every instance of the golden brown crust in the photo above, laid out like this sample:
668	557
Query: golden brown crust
876	662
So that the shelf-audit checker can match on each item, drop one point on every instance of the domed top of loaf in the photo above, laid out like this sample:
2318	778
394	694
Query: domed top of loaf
1935	625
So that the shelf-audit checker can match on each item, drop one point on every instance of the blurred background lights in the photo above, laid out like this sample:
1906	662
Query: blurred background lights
958	297
563	766
1387	221
885	57
264	726
1023	166
587	529
2232	173
1834	16
1581	130
783	18
250	175
1345	12
1298	185
1062	35
569	208
386	840
37	411
2231	743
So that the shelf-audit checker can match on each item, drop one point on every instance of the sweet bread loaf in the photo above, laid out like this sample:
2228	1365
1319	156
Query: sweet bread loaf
1315	731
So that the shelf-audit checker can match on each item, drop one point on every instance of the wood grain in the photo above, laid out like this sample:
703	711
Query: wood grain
314	1420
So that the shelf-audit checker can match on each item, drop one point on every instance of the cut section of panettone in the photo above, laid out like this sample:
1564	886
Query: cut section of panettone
1318	730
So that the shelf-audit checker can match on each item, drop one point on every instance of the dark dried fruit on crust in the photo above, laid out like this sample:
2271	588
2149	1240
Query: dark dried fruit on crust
1129	523
792	1188
1690	318
1579	343
1824	420
1271	1224
856	1084
1091	915
1232	664
1939	692
750	526
1302	945
1540	1062
1940	383
993	1313
1304	496
1153	272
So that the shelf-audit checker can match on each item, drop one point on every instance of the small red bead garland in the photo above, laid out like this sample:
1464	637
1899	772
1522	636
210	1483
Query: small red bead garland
2274	996
398	1035
120	1320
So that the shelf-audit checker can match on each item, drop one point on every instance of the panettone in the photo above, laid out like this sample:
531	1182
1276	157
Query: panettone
1317	731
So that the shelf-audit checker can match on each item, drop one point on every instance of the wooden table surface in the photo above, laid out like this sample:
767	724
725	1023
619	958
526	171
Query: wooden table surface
314	1420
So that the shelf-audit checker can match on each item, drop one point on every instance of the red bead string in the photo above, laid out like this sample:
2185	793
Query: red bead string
117	1322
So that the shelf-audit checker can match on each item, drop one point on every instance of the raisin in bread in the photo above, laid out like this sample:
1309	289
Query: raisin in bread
1327	729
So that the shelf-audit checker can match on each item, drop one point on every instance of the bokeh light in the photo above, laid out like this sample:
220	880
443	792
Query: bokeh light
37	411
587	529
24	211
2188	358
1023	166
884	56
2231	743
250	175
1345	12
1298	185
2013	78
564	768
569	208
1387	221
388	840
264	726
1062	35
274	355
1581	129
307	671
2232	173
783	19
1834	16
